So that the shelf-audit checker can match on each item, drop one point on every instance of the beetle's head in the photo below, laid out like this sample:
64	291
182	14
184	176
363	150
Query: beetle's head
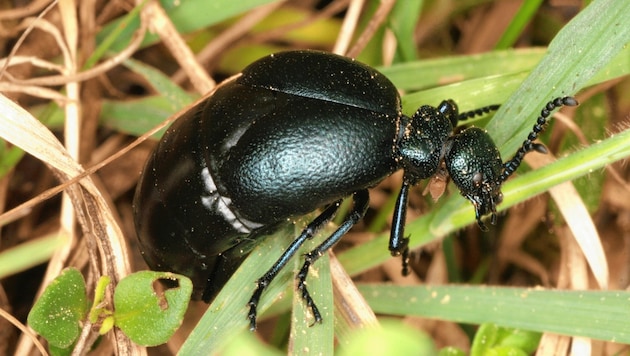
474	164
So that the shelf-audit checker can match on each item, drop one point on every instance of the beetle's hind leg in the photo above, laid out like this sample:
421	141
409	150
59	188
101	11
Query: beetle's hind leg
309	231
361	201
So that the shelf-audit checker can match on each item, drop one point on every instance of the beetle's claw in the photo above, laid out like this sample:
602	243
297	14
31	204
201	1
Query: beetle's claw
252	316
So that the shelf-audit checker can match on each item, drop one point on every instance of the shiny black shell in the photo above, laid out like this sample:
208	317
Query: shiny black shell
294	132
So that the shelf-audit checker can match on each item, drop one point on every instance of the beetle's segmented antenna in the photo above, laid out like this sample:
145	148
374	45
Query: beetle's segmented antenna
528	145
477	112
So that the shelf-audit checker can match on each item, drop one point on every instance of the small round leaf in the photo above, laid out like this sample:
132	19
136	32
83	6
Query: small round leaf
57	313
149	317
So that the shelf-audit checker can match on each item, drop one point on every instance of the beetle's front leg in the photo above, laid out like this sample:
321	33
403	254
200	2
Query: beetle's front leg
398	243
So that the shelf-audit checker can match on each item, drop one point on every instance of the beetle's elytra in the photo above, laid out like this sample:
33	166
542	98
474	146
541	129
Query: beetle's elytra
298	131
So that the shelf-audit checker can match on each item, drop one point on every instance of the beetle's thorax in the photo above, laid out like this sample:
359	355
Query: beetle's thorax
421	138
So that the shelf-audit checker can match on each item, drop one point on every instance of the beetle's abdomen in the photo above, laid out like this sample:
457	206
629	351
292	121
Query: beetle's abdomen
182	225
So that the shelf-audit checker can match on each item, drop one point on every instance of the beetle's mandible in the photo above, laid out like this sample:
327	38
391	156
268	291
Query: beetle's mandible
294	132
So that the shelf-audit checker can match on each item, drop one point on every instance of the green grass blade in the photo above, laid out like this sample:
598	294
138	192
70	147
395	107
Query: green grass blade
163	84
30	254
523	16
320	338
600	315
574	56
429	73
403	20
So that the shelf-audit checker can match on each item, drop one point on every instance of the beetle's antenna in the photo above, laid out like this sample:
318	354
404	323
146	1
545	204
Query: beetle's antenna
477	112
528	145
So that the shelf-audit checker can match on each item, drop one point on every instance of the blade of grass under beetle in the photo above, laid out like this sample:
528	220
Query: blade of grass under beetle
227	314
306	335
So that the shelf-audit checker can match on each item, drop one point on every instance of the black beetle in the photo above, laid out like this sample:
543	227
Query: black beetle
294	132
